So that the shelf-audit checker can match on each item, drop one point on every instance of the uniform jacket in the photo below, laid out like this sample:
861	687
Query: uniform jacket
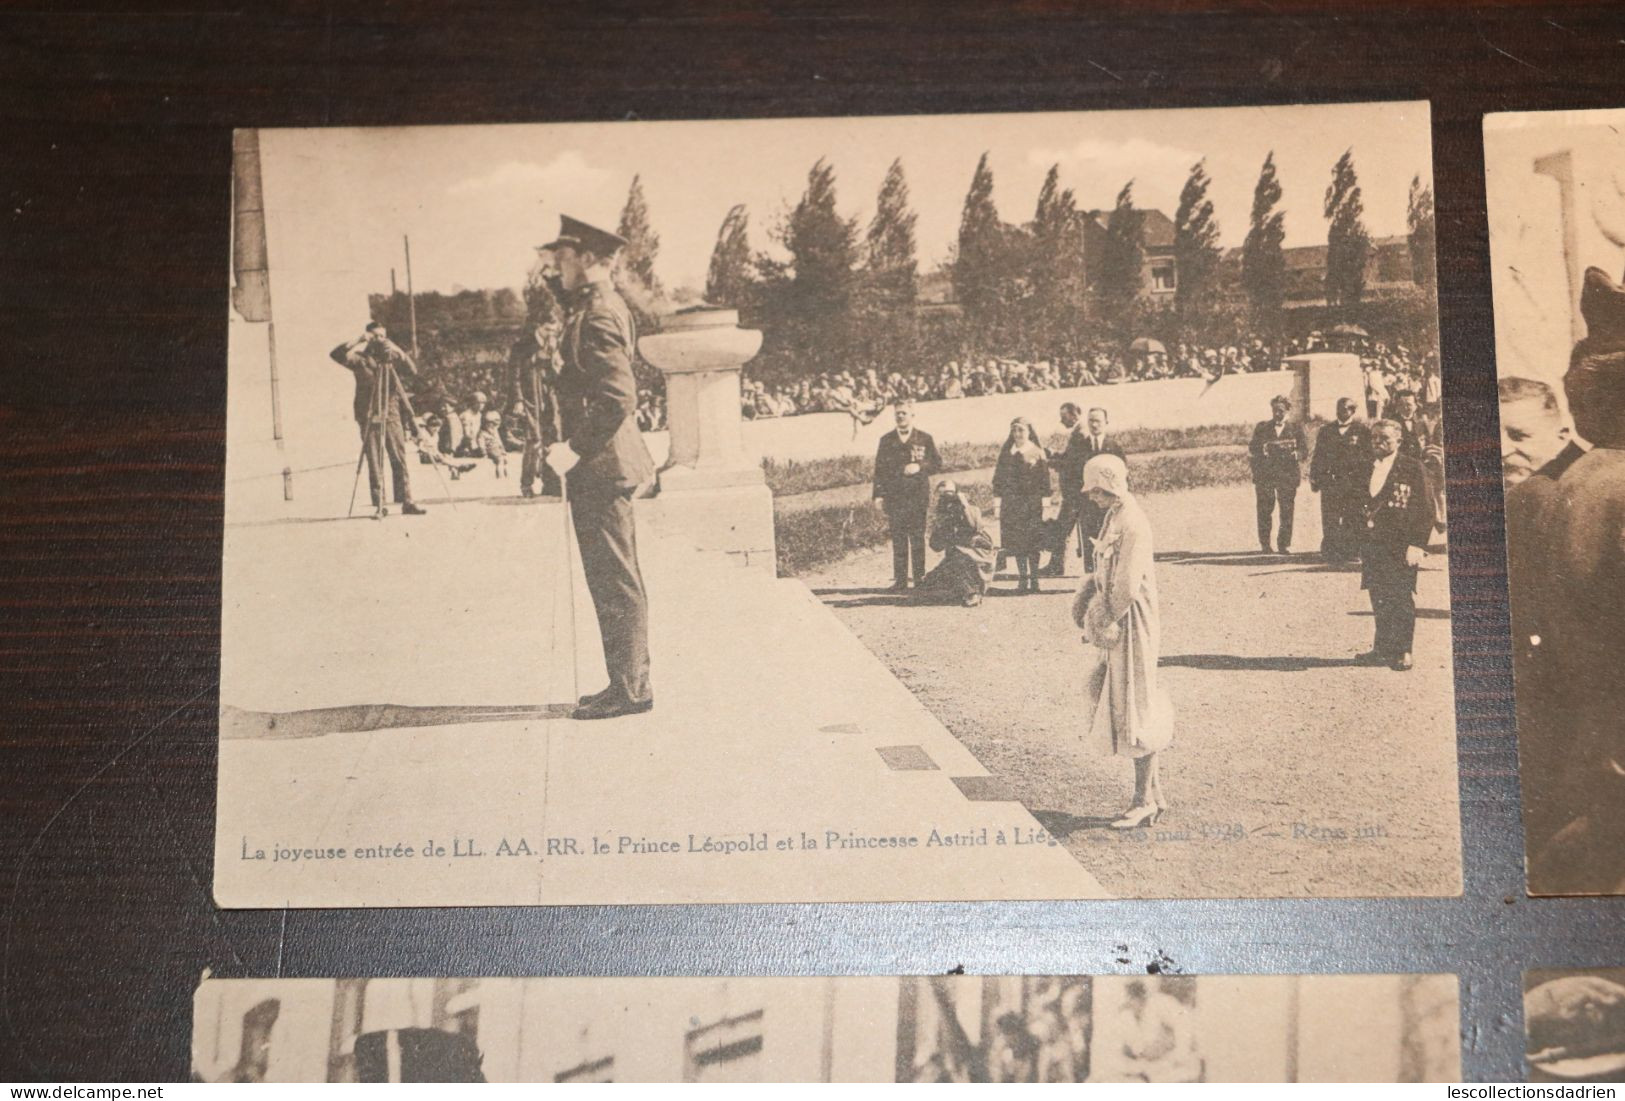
366	363
1398	517
1275	461
907	497
1080	449
598	395
1342	460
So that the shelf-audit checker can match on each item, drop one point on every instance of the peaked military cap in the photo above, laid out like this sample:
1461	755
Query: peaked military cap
578	234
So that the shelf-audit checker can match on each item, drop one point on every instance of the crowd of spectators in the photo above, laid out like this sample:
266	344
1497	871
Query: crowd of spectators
865	391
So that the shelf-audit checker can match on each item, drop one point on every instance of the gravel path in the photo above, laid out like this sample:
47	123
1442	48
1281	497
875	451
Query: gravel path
1293	773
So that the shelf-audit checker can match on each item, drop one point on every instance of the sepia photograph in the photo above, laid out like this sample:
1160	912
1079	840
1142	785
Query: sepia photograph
957	1028
1575	1021
1555	187
1005	506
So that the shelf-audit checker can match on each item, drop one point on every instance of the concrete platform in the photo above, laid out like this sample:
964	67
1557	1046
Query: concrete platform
403	683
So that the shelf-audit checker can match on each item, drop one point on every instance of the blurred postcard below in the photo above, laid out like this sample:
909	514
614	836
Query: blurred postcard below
1557	246
871	509
994	1028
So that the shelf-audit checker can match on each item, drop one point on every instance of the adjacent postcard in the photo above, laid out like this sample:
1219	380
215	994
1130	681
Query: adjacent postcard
1556	199
1575	1021
869	509
1027	1028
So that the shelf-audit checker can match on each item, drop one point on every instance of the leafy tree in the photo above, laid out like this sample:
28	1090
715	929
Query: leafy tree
891	267
635	266
822	247
1347	242
1196	244
980	259
806	300
637	259
1419	219
728	282
1058	306
884	321
1263	264
1120	275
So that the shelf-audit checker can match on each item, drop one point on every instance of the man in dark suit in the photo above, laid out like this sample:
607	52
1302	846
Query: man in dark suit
382	413
1077	511
1572	766
603	460
1276	450
1398	521
1422	440
1534	439
904	463
1537	449
1338	473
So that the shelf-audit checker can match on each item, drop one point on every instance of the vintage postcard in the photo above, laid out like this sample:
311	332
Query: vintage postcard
1575	1021
1556	196
1025	1028
868	509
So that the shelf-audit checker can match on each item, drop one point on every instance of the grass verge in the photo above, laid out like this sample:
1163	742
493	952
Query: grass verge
810	539
791	477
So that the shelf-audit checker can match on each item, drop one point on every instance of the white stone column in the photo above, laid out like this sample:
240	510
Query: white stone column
711	488
1320	379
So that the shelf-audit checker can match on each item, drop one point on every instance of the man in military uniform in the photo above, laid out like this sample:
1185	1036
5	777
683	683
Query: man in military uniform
1077	511
1398	521
1275	453
904	463
381	413
1338	473
532	372
603	459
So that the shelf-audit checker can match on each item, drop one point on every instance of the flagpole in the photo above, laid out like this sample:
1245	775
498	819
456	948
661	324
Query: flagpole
411	298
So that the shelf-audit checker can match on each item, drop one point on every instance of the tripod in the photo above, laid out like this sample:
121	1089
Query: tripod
386	390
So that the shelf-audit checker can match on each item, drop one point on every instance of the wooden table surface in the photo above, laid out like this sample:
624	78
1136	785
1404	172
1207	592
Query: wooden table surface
114	217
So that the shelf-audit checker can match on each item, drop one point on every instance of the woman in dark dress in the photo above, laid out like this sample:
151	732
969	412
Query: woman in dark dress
1021	482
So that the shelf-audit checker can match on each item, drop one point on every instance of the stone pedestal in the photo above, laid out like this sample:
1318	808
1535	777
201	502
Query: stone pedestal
711	488
1320	379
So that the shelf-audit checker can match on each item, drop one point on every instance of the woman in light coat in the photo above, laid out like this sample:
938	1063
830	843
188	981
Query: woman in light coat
1126	712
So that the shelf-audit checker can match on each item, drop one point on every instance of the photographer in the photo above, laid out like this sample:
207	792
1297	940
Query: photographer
381	412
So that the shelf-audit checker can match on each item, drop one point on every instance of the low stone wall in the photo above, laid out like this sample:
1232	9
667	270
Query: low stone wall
1165	403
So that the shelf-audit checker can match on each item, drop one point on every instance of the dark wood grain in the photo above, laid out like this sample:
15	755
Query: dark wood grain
114	190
